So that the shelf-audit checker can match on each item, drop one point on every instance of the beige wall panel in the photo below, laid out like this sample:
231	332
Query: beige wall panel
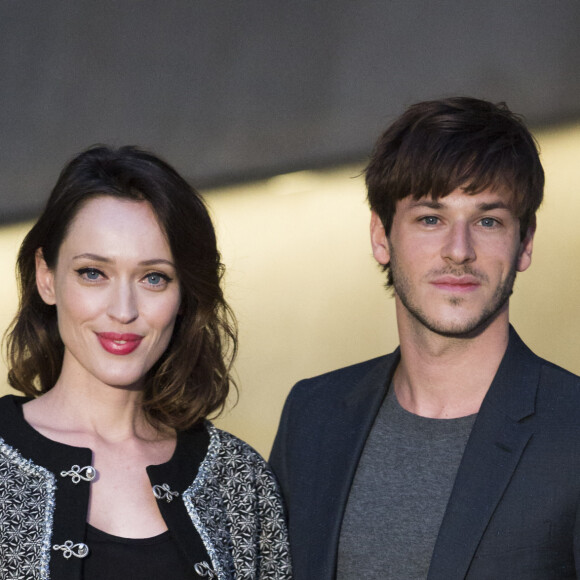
546	304
303	283
309	297
10	239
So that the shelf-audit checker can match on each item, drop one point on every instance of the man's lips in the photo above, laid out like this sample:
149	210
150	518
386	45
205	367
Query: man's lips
457	283
116	343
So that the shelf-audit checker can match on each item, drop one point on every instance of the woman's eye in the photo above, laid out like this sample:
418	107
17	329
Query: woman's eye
91	274
157	279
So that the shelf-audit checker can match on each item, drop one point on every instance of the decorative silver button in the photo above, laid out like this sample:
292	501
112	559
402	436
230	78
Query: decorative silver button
69	549
163	491
76	473
204	570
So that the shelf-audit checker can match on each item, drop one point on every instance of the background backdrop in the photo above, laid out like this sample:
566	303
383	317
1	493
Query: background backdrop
271	108
232	90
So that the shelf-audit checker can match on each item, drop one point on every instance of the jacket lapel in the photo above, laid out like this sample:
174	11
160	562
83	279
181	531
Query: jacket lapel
492	453
342	444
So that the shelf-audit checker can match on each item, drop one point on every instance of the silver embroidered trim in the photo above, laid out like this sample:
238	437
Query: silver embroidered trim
27	501
69	548
236	507
163	491
204	570
77	473
198	483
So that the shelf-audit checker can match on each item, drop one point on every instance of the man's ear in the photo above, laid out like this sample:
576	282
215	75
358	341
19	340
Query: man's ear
44	279
379	241
526	246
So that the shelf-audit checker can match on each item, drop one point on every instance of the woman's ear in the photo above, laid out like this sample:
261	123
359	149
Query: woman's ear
44	279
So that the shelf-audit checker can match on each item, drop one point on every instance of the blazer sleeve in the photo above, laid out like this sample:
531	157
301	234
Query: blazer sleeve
577	542
280	450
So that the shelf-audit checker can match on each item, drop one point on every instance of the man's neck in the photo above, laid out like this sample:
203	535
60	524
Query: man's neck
443	377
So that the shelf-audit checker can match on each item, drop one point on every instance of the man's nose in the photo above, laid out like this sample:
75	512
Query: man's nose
458	246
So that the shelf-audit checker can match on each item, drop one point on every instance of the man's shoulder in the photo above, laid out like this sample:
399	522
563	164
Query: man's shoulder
325	404
551	391
341	382
551	375
551	372
559	391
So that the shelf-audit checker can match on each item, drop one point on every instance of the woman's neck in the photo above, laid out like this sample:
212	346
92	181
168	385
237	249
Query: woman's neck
76	413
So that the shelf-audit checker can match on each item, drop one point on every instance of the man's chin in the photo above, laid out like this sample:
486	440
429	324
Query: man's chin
459	329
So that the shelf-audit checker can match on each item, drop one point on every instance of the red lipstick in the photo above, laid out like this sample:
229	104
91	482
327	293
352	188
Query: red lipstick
116	343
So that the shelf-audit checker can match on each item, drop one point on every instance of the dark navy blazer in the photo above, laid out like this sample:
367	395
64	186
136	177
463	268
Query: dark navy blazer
514	511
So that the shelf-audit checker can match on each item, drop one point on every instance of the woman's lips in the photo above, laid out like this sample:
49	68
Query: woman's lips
119	343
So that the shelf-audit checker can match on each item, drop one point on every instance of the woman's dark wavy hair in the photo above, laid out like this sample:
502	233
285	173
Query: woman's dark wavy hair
192	379
437	146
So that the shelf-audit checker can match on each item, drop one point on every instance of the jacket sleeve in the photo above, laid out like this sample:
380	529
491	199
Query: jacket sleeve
273	535
241	503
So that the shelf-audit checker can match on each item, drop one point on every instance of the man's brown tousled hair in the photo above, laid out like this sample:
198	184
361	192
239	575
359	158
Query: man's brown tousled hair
192	379
438	146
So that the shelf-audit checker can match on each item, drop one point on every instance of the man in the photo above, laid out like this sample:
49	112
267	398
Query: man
458	455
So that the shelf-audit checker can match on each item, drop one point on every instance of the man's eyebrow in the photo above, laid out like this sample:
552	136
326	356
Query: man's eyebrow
428	203
97	258
494	205
432	204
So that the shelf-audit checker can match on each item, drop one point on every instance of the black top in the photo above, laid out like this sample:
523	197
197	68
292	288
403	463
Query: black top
155	558
71	499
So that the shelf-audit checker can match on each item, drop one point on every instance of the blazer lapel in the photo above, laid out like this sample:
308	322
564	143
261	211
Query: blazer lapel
492	453
341	445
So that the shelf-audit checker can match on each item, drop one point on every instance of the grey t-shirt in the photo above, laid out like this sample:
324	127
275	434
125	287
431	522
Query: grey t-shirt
399	494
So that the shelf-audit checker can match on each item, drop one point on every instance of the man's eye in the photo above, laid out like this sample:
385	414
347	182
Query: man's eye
488	222
430	220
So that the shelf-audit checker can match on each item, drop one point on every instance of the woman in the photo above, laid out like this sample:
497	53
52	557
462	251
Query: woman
122	345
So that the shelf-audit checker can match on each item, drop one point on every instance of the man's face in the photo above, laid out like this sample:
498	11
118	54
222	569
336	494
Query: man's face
454	260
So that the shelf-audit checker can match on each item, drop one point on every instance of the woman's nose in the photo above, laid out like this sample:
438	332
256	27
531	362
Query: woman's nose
123	303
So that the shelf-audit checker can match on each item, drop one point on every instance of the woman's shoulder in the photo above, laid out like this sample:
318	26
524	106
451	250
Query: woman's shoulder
11	413
231	450
10	402
231	463
235	473
238	502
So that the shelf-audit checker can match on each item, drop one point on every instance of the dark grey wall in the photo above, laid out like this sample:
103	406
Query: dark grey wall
229	90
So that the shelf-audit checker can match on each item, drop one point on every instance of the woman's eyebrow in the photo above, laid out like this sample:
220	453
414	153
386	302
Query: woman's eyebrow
89	256
155	261
97	258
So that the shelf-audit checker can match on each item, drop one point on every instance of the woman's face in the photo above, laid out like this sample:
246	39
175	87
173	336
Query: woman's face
116	292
